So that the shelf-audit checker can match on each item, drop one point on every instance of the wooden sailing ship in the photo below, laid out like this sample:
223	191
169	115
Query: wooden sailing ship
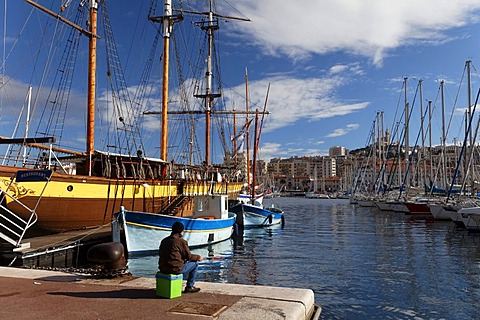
99	183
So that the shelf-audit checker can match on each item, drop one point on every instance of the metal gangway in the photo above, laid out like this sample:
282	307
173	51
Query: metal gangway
12	226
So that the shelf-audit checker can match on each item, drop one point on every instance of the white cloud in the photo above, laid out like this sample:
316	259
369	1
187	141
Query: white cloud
292	99
343	131
14	98
366	27
269	150
276	150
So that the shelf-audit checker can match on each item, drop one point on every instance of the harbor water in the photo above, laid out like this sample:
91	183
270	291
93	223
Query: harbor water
361	263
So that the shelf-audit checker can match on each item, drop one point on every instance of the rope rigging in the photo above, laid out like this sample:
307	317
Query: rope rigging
127	128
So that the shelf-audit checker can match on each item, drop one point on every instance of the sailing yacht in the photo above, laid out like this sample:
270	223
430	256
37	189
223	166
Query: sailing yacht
314	194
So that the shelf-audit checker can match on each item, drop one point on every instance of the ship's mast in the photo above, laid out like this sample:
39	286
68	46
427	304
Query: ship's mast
167	26
208	88
92	67
167	21
209	26
91	33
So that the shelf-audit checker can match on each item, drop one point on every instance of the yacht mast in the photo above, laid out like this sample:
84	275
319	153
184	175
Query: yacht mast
407	119
255	150
247	134
430	140
422	131
469	101
444	138
27	124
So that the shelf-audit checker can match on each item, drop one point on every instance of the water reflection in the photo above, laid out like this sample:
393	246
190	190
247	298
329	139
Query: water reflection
232	261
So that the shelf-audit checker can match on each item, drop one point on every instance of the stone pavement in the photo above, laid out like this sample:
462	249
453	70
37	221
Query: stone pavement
40	294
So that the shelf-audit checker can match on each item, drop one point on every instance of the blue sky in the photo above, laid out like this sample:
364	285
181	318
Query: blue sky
331	65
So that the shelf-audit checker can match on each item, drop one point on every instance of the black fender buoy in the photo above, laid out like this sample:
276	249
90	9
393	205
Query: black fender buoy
283	220
110	254
235	230
239	218
270	218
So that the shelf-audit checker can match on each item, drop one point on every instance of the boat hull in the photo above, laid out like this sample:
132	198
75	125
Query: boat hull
468	218
418	208
72	202
253	216
383	205
440	212
144	231
366	203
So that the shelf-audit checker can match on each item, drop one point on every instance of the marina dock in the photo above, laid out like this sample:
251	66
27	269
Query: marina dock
60	250
42	294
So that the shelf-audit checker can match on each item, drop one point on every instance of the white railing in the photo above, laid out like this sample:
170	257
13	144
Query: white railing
12	226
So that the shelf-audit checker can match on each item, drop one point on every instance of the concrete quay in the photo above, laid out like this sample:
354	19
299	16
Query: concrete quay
42	294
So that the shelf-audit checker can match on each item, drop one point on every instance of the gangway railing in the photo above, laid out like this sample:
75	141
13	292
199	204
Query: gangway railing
12	226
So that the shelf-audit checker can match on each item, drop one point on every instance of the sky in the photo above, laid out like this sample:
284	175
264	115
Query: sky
329	66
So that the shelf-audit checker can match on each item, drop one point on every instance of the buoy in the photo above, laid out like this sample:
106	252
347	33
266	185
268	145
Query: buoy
283	220
239	218
270	218
110	254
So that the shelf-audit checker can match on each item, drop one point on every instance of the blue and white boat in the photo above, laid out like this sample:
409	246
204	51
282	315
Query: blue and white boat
255	215
247	198
210	223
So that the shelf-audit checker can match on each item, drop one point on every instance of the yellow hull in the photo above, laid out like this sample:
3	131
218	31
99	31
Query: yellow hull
72	202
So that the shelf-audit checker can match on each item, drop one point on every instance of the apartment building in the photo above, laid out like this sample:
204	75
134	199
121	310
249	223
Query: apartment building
302	173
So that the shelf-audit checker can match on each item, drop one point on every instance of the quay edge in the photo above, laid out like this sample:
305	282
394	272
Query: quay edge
125	295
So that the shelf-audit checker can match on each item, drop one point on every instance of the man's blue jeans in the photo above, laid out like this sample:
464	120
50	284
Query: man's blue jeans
189	272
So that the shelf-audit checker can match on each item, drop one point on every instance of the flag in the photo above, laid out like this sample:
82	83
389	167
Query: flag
239	137
240	147
246	125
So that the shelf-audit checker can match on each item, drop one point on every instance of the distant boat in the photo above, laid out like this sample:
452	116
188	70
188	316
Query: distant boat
254	215
441	211
247	198
271	195
419	206
315	195
366	202
210	223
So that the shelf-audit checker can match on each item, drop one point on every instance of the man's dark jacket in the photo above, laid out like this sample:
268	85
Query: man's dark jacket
173	253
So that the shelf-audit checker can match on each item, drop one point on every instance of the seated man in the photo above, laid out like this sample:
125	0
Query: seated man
175	257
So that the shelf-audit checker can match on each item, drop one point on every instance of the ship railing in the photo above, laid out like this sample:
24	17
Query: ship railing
12	226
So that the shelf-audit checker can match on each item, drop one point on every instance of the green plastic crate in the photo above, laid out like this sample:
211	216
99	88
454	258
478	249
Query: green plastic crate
169	285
